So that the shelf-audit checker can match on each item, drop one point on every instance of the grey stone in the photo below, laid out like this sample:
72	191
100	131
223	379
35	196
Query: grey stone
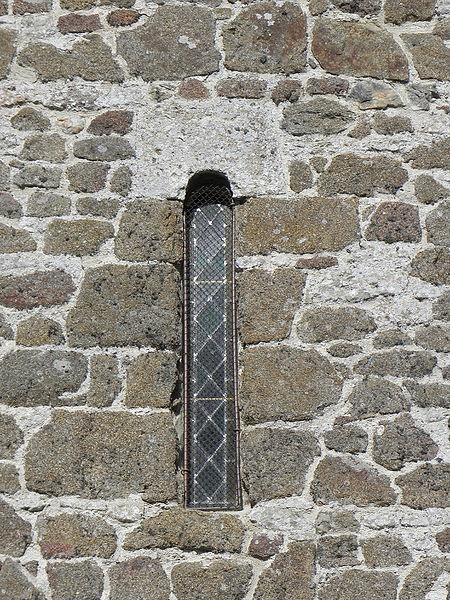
120	306
434	156
394	222
16	584
78	238
51	148
136	578
39	331
15	240
104	383
15	532
286	383
374	94
4	176
442	29
385	551
337	551
275	462
441	307
41	288
361	7
275	44
224	579
87	178
98	207
421	95
391	338
186	33
426	486
431	57
438	225
7	51
150	230
47	204
375	396
429	394
387	125
428	190
434	337
319	116
421	579
344	349
300	176
9	479
6	331
336	521
432	265
82	579
38	176
327	85
325	323
9	206
151	380
11	437
234	87
39	377
103	455
103	148
318	7
29	119
356	583
398	363
121	181
346	438
399	11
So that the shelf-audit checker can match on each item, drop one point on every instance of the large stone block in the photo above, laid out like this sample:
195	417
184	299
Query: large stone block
385	551
422	577
82	579
429	394
15	585
400	11
15	532
39	331
51	148
426	486
433	156
41	288
40	176
434	337
15	240
375	396
398	363
326	323
319	116
103	148
438	225
432	265
105	382
337	551
7	51
431	56
395	222
224	579
78	238
151	380
139	578
357	583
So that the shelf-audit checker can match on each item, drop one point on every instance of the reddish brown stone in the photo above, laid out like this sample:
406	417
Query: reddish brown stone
394	222
327	85
193	89
288	90
41	288
121	18
443	540
21	7
317	262
265	545
112	121
75	23
241	88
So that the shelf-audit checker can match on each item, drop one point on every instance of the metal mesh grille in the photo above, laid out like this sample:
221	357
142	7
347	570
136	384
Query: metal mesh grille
211	460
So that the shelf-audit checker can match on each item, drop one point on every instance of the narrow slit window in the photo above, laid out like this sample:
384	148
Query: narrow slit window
211	460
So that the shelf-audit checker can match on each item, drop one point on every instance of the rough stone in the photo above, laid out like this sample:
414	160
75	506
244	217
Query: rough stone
275	462
429	394
394	222
103	148
188	530
74	23
287	90
151	380
16	584
22	7
193	89
362	175
103	455
432	265
11	437
9	206
111	121
300	225
426	486
442	29
300	176
87	177
421	579
428	190
186	33
38	331
337	551
317	262
267	303
434	156
121	18
6	331
327	85
375	94
78	238
266	44
421	95
385	551
82	579
150	230
264	545
386	125
339	521
375	396
350	481
360	7
29	119
224	579
398	363
344	349
234	87
38	176
90	58
391	338
134	579
286	383
438	225
431	56
359	49
41	288
4	176
15	240
318	7
319	116
9	479
325	323
441	307
356	583
346	438
105	383
73	535
443	540
15	532
434	337
7	51
400	11
121	181
98	207
47	204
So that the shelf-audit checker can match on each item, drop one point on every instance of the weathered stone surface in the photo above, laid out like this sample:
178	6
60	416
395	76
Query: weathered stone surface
375	396
317	262
287	90
300	176
41	288
374	94
193	89
434	156
391	338
339	521
267	44
82	579
38	176
337	551
361	129
267	303
327	85
442	29
120	306
15	532
15	240
432	265
438	225
121	18
275	462
346	438
234	87
105	383
385	551
386	125
325	323
73	535
422	577
22	7
47	204
224	579
357	583
79	238
402	442
362	175
434	337
150	230
361	7
441	307
429	394
87	177
443	540
90	58
121	181
29	119
151	380
9	479
7	51
111	121
319	116
38	331
291	575
395	222
360	49
6	331
44	147
265	545
300	225
73	23
98	207
103	455
188	530
350	481
16	584
399	11
9	206
11	437
186	33
426	487
428	190
286	383
398	363
103	148
318	7
431	56
344	349
135	578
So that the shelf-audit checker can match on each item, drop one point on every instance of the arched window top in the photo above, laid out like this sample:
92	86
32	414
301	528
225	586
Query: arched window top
207	187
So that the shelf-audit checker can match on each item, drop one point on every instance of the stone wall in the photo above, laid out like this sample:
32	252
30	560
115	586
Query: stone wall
331	119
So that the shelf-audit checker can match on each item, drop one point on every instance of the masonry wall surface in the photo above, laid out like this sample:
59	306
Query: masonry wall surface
331	120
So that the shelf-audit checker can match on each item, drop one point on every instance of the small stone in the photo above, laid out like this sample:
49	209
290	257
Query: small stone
375	396
82	579
300	176
9	206
356	583
234	87
375	94
6	331
432	265
399	11
71	125
151	380
188	530
266	44
327	85
39	331
8	50
15	532
438	225
429	394
359	49
76	23
87	177
44	147
150	230
442	29
105	383
394	222
443	540
421	579
122	18
275	462
350	481
431	56
41	288
16	583
15	240
47	204
287	90
317	116
325	323
38	176
121	181
103	148
426	486
337	551
112	121
346	438
428	190
441	307
193	89
297	384
344	350
385	551
22	7
29	119
434	337
391	338
11	437
434	156
78	238
267	303
420	95
74	535
225	579
137	578
317	262
339	521
9	479
398	363
265	545
361	130
98	207
386	125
